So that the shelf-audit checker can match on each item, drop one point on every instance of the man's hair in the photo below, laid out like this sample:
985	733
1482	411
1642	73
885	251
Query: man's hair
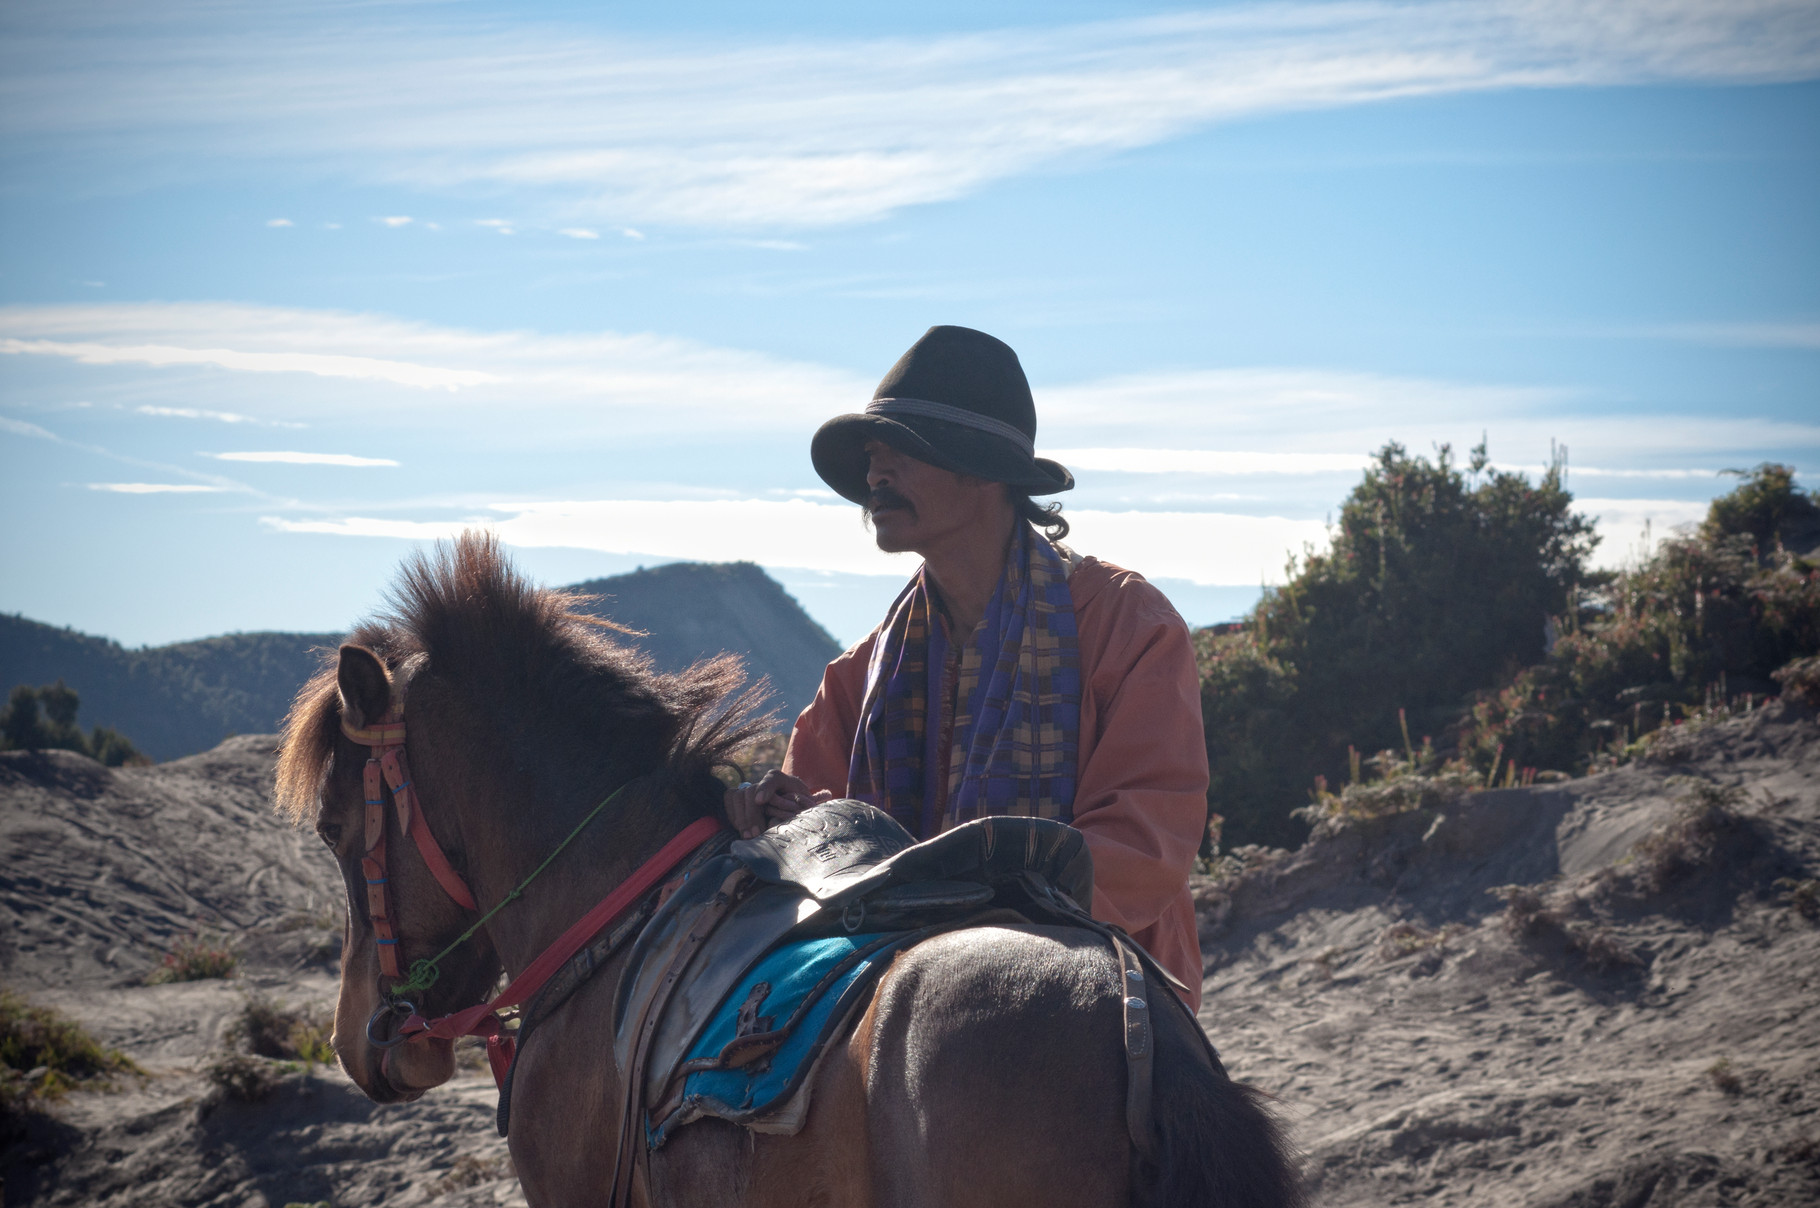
1047	517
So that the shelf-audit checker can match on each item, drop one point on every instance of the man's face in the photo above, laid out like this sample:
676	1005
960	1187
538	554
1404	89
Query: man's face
914	506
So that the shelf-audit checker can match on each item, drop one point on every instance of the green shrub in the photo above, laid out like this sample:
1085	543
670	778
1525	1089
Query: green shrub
1437	583
43	1053
1672	639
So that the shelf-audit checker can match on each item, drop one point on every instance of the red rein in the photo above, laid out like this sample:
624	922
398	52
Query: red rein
388	762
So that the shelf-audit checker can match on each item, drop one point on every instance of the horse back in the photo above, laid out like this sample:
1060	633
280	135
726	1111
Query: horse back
993	1069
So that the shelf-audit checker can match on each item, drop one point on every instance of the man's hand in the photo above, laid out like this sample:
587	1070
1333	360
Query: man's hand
751	808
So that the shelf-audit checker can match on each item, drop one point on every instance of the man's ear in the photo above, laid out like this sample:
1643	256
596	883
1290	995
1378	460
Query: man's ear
366	689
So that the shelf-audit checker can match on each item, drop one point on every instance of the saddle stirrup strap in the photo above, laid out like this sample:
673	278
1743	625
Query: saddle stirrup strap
633	1145
1140	1048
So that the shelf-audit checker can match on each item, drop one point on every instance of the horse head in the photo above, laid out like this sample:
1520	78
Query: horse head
520	716
408	908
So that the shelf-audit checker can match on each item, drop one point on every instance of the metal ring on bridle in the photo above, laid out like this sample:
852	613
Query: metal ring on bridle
402	1008
853	922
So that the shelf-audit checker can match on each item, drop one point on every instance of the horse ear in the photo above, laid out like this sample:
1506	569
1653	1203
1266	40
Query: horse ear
366	689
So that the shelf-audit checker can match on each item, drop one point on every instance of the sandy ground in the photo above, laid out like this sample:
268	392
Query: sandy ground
1465	1065
1637	1048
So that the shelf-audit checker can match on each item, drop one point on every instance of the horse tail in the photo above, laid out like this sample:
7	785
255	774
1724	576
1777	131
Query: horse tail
1216	1142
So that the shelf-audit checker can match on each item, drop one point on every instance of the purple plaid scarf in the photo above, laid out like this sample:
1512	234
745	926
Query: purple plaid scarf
1016	730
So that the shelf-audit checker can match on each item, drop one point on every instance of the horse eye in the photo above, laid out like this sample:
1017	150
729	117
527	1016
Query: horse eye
330	832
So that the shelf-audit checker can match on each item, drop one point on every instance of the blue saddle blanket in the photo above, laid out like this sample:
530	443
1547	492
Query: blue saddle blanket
804	986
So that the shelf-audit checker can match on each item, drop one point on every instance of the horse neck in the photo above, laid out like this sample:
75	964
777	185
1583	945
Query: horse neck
510	826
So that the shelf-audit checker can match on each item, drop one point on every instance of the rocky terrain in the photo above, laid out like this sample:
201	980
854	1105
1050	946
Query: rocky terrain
1639	1027
1633	1021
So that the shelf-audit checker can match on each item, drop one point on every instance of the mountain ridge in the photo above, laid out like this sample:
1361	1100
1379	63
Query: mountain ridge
183	698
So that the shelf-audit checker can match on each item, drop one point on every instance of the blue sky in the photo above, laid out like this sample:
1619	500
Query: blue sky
285	290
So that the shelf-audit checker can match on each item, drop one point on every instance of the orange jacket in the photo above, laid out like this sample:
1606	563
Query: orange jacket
1141	796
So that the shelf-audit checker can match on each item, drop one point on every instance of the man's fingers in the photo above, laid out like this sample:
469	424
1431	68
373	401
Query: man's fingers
744	811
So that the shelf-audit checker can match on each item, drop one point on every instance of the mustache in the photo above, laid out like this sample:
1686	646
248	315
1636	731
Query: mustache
884	497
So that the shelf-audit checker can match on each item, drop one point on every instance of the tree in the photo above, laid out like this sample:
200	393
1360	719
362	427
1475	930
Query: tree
23	728
1438	582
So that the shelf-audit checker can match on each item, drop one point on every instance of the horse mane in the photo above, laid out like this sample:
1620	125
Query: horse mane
525	653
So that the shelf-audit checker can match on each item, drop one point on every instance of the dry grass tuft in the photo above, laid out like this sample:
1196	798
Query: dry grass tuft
196	956
1801	896
1406	938
1721	1074
1533	917
1688	841
243	1078
270	1028
471	1170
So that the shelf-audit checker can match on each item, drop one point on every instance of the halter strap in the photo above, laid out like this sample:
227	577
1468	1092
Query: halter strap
483	1019
386	739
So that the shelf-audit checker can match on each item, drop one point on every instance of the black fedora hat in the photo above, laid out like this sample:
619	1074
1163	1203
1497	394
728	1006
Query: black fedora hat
959	400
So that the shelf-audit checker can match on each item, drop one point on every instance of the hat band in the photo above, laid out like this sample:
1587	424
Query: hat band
954	415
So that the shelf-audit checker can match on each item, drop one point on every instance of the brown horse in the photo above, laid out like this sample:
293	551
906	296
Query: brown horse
988	1068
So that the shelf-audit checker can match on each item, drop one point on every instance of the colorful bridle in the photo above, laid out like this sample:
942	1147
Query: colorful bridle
387	768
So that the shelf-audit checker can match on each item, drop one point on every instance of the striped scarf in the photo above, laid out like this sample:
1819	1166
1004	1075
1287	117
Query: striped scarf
1016	725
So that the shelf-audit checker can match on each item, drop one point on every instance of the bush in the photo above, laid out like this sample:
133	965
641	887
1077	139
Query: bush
197	956
1800	680
1437	583
1458	604
1707	617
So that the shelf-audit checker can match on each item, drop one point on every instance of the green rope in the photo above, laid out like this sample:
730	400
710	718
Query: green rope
425	972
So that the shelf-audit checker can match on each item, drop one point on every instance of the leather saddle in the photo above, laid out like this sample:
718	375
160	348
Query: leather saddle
839	867
854	858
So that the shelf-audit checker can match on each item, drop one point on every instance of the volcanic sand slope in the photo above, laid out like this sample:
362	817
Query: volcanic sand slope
100	869
1426	1053
1368	980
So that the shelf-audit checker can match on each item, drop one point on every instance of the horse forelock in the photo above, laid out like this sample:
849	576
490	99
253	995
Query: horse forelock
518	651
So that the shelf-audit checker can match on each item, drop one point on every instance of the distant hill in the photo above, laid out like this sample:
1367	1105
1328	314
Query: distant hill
184	698
690	610
169	700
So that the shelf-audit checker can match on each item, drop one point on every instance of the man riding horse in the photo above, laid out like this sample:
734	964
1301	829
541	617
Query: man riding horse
1011	675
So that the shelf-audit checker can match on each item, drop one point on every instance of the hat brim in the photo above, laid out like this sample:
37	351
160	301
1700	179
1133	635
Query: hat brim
838	451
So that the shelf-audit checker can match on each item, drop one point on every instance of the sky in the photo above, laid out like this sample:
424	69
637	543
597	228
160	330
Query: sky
288	290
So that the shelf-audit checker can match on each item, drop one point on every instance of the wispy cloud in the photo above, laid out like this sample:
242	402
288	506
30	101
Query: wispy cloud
1233	462
1217	421
1202	547
19	427
503	226
579	233
154	488
808	132
633	382
225	417
1208	461
396	220
279	222
1308	413
306	459
403	373
1742	335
